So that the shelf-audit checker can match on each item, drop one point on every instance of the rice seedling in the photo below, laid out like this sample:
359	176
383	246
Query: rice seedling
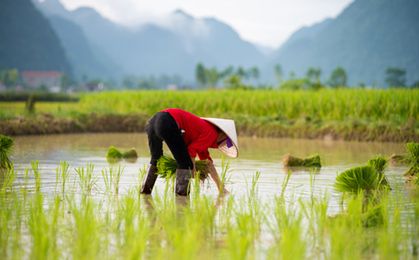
87	180
167	166
292	161
6	145
7	178
37	174
61	175
111	178
86	243
225	168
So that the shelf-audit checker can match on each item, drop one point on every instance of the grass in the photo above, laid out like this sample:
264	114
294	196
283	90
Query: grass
351	114
106	224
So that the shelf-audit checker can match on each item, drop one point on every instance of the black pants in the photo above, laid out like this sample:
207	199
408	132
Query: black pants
162	127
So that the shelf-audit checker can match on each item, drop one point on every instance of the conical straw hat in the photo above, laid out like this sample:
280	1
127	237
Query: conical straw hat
230	146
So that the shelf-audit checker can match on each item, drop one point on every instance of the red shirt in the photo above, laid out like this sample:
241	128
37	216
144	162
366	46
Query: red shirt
199	135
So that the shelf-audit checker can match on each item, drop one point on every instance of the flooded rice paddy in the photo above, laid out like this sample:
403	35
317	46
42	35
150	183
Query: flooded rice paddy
266	215
256	155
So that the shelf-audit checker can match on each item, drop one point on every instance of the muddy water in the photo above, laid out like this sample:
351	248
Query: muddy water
256	155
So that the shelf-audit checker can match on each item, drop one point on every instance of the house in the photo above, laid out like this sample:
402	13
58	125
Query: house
37	79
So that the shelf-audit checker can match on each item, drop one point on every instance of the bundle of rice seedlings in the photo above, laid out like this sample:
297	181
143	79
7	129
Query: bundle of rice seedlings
167	166
360	179
396	159
413	149
113	155
130	154
6	144
379	164
291	161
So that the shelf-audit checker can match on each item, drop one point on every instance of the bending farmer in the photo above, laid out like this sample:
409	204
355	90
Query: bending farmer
187	136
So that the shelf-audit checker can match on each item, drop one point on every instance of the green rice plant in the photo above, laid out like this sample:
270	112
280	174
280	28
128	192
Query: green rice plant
62	173
167	166
285	184
225	168
37	174
287	231
413	149
85	242
112	178
134	227
357	179
87	180
291	161
6	145
43	228
346	233
7	179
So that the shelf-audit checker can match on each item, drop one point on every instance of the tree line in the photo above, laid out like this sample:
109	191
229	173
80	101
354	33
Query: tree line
236	77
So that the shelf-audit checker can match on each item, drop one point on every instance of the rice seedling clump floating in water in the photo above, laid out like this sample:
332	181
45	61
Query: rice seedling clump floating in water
167	166
291	161
130	154
6	144
114	155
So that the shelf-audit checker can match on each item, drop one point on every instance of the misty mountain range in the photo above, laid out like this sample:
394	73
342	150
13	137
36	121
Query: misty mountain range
153	49
365	39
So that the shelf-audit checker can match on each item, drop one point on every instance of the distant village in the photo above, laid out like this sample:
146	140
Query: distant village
48	81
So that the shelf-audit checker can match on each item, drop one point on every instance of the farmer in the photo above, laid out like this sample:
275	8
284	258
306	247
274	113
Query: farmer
187	136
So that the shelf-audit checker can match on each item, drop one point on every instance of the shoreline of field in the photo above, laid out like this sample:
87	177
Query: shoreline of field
45	124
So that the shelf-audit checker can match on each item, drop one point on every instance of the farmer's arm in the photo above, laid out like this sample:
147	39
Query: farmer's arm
214	175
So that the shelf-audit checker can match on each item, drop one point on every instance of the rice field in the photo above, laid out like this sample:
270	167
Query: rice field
350	114
86	216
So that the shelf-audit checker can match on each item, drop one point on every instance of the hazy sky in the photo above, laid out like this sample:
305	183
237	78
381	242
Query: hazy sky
267	22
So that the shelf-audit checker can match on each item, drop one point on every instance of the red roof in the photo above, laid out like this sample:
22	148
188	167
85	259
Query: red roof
41	74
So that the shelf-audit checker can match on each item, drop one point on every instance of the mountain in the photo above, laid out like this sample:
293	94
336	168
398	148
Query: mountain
365	39
84	60
172	46
28	41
